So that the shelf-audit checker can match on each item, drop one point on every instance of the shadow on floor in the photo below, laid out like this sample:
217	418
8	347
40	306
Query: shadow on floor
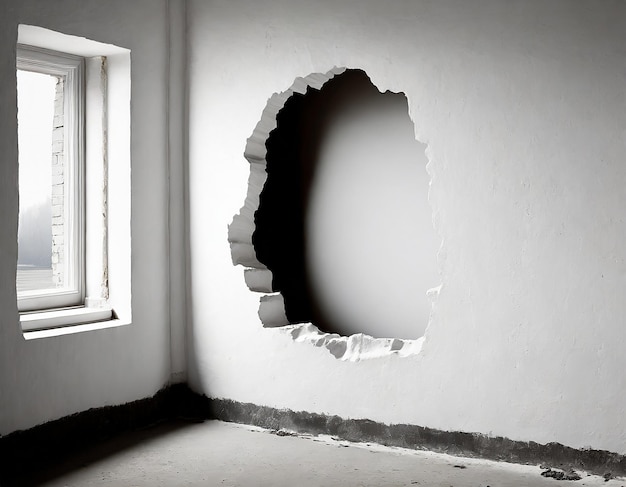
22	469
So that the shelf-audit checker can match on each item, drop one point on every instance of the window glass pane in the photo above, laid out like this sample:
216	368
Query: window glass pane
40	110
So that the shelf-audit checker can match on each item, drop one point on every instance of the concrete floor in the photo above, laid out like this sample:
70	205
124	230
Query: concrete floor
214	453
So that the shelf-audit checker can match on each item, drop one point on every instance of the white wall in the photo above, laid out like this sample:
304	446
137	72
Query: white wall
47	378
523	110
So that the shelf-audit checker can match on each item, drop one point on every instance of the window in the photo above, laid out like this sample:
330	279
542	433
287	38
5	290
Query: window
50	272
74	242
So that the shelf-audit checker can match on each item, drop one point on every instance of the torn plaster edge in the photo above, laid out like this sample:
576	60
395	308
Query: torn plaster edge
258	277
436	213
242	227
353	348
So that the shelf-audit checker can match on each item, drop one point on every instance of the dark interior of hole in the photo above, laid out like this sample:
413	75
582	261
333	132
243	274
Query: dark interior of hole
293	149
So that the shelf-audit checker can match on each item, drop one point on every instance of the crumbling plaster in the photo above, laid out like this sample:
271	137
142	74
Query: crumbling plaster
259	278
521	105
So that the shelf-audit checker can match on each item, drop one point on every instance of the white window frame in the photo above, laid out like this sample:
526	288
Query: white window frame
107	136
72	69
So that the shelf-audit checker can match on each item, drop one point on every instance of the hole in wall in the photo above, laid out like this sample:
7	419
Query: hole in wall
337	223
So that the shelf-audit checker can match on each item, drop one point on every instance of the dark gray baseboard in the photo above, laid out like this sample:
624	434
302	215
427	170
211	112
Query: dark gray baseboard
59	439
456	443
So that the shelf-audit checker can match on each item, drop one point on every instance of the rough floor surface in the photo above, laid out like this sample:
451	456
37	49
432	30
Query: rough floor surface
214	453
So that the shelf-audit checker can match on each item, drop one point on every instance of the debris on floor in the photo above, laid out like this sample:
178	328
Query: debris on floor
282	432
559	474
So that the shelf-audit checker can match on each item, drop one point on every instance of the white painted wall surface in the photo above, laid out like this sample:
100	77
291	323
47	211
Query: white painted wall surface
47	378
522	106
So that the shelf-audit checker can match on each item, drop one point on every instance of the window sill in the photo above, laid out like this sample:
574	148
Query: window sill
64	321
